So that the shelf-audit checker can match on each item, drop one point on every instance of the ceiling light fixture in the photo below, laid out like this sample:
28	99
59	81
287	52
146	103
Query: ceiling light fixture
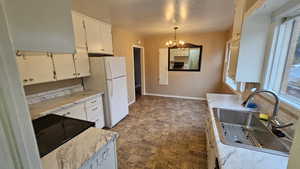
175	43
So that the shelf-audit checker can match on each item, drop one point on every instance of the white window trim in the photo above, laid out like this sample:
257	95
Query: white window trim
279	53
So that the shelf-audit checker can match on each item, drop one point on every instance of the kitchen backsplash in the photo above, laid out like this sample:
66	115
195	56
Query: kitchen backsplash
39	97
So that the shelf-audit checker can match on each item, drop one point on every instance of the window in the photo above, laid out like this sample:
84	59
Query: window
283	76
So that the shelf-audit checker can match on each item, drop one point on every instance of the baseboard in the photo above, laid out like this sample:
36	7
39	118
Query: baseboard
174	96
130	103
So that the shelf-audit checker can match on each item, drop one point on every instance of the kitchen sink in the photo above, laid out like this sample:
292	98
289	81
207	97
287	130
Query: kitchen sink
243	129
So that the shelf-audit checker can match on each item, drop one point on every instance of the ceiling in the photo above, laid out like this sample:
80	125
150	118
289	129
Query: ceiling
160	16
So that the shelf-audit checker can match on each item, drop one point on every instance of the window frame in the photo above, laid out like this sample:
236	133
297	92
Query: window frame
277	62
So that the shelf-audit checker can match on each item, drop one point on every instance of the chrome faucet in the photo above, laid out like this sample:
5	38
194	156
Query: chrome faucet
273	120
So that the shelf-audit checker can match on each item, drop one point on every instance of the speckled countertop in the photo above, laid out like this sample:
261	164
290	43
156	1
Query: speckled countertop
43	108
74	153
239	158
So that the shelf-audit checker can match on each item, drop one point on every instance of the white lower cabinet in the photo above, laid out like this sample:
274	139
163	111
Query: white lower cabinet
90	110
106	158
211	148
94	111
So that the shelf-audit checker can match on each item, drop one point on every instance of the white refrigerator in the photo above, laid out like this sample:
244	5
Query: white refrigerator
108	74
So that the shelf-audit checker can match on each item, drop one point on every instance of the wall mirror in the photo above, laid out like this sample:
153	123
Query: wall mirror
185	58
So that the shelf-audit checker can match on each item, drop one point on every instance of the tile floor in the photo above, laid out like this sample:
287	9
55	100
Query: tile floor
163	133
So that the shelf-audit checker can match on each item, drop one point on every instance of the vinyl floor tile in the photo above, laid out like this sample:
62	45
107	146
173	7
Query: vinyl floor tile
163	133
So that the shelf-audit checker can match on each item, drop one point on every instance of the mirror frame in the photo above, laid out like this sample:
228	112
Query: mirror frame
187	45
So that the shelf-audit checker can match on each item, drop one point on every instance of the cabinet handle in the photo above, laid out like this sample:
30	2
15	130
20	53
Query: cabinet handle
74	74
25	80
94	109
105	154
31	79
78	74
102	49
68	113
94	101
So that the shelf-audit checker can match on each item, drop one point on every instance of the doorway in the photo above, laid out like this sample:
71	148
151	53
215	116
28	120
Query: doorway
137	71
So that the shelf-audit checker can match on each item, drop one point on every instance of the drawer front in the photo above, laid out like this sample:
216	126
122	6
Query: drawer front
92	102
77	111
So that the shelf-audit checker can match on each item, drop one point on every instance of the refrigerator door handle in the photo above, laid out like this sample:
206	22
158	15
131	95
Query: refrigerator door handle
109	70
112	89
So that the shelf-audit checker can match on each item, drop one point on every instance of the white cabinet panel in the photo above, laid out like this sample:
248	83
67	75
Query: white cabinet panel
41	25
93	35
64	66
163	66
37	68
82	65
79	29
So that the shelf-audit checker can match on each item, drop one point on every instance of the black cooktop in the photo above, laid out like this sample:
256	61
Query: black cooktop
52	131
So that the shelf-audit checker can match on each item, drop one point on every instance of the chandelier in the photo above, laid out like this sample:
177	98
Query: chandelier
175	43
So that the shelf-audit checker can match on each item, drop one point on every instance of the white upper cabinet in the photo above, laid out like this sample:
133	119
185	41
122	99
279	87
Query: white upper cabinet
64	66
93	35
35	68
99	37
79	30
82	64
41	25
106	38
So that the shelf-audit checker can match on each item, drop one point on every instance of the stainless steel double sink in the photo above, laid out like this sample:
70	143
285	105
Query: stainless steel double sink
243	129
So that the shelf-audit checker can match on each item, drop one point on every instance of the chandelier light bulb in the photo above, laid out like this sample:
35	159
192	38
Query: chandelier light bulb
175	43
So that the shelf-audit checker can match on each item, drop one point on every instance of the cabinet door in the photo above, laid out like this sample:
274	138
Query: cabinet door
37	25
38	68
64	66
82	65
93	35
94	111
109	157
79	30
21	62
106	38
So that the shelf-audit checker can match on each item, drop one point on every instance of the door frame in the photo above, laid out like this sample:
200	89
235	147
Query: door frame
142	69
